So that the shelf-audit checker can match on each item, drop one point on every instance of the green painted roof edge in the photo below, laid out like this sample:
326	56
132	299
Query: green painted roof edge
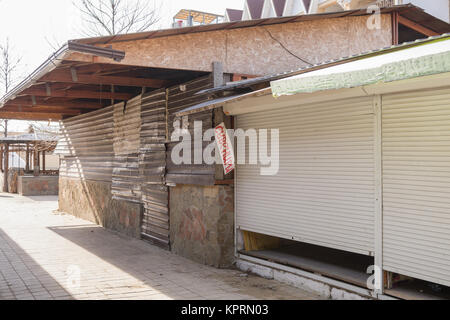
407	69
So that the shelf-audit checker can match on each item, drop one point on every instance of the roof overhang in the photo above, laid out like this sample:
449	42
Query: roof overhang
420	61
263	100
81	77
408	11
72	81
424	65
55	60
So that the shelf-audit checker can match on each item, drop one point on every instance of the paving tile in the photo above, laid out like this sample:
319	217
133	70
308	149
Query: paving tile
45	256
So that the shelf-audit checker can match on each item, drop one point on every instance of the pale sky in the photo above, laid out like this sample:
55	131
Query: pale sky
31	24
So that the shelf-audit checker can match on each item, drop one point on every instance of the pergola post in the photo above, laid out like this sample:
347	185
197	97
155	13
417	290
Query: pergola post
1	158
36	162
5	172
27	166
43	161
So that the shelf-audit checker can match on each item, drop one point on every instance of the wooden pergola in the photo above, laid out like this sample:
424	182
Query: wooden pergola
33	145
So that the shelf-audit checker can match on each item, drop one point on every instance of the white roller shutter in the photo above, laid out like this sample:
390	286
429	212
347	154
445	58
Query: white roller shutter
324	191
416	184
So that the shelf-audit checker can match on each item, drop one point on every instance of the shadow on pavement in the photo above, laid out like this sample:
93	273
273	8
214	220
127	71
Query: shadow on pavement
22	278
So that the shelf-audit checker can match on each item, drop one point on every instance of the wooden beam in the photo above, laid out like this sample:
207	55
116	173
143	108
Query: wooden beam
66	76
27	166
5	171
1	158
36	163
64	111
30	116
43	160
417	27
26	102
79	94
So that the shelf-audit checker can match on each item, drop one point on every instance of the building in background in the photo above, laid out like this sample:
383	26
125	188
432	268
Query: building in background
191	18
364	149
18	159
28	165
260	9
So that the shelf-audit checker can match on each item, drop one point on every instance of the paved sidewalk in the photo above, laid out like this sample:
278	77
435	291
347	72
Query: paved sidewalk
46	255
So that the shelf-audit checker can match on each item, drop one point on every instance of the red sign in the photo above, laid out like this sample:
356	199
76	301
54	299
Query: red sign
225	147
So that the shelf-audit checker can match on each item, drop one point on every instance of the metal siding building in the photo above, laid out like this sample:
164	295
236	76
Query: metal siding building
364	160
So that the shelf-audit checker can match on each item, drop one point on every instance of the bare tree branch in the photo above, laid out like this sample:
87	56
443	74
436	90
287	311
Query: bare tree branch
8	67
53	43
111	17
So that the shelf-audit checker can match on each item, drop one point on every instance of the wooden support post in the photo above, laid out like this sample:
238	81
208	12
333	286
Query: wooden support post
43	161
167	116
395	37
31	159
1	158
27	166
36	163
112	92
5	172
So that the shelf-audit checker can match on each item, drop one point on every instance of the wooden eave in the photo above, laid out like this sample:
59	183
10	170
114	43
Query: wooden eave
77	87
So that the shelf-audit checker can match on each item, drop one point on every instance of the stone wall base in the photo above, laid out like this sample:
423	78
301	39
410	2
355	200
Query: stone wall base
202	224
92	201
38	186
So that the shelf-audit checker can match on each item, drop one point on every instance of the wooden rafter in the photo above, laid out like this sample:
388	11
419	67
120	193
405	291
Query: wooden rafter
67	76
30	116
81	94
417	27
64	111
41	102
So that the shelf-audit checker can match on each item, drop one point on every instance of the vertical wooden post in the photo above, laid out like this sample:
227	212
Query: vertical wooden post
395	36
43	160
27	166
1	158
112	91
5	172
36	163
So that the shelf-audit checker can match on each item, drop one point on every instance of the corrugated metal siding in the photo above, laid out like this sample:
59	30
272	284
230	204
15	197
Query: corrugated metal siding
127	126
324	191
416	184
86	146
126	179
182	97
152	162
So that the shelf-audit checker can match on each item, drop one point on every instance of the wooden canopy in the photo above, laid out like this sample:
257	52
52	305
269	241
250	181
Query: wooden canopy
67	86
